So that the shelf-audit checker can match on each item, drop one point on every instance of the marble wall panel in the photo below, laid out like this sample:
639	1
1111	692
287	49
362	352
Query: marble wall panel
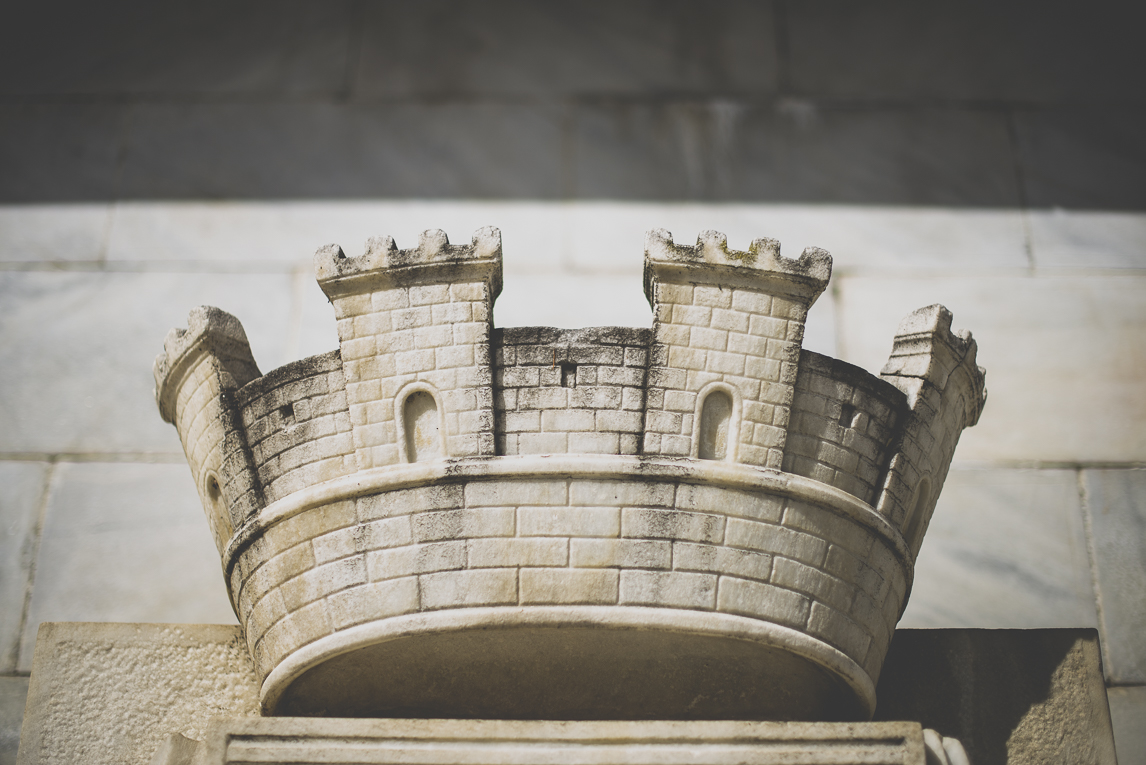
1116	509
125	542
24	484
1005	549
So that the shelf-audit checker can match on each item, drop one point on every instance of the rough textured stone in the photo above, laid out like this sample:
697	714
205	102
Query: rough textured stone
1010	696
111	693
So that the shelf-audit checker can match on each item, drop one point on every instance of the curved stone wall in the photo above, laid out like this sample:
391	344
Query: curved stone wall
297	425
535	532
843	426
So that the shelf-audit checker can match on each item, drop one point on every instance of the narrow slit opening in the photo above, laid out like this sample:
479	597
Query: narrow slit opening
568	374
848	415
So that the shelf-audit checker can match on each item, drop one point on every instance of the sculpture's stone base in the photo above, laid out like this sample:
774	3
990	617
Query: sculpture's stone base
497	742
584	668
113	693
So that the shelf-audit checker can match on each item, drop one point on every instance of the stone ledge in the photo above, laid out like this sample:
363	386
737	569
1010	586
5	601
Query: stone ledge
583	466
495	742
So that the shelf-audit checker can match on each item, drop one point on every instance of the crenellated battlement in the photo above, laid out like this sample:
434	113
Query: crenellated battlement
712	261
212	333
383	264
703	487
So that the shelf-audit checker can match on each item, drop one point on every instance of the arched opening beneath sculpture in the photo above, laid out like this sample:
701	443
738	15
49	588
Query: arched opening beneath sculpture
422	426
715	426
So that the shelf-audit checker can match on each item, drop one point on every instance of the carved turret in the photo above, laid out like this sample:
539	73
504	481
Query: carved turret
196	378
704	489
945	391
728	326
413	327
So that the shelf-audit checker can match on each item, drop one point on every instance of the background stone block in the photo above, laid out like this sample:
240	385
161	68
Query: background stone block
20	516
1116	509
1005	549
124	542
1127	711
1063	356
13	695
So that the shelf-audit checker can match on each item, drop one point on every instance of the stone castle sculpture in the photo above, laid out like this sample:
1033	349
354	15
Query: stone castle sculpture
442	518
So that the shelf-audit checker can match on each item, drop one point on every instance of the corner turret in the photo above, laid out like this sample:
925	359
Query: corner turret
196	378
945	389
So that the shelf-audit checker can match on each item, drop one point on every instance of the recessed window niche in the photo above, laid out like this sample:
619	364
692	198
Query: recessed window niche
422	425
716	426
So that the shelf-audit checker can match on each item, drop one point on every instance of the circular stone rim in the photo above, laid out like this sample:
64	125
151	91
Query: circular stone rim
571	466
685	621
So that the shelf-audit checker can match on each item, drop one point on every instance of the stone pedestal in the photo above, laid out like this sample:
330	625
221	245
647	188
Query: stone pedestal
114	693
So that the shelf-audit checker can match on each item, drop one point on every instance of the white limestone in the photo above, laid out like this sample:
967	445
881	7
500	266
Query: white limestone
703	486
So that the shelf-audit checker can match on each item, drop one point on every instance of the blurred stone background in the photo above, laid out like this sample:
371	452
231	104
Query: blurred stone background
990	156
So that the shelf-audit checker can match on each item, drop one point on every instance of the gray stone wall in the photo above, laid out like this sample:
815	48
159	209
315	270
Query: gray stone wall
842	427
563	391
298	425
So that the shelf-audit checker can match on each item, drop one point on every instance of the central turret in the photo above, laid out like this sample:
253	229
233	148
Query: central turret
697	520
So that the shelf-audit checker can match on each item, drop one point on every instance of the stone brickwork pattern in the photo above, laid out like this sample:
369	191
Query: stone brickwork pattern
733	329
706	468
569	542
428	322
569	391
843	423
298	426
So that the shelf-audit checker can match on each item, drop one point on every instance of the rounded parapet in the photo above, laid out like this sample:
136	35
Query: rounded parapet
196	378
433	260
946	390
712	261
926	350
211	331
685	587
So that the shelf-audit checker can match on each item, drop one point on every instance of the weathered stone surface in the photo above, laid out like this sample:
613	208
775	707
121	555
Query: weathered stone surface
111	693
1010	696
807	513
490	742
631	537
